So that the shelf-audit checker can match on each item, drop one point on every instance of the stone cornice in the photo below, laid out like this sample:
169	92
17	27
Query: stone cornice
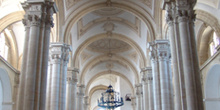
9	65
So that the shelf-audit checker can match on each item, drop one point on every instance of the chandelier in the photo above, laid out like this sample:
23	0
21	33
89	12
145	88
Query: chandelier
110	99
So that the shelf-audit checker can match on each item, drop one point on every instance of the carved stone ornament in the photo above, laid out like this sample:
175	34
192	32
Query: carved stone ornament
59	51
160	49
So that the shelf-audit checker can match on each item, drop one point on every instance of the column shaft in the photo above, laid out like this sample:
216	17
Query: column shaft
156	86
20	101
187	66
187	85
164	82
71	88
150	92
29	100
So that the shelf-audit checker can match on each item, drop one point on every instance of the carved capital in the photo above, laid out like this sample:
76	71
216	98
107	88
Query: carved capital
72	75
60	51
138	89
159	50
144	73
81	89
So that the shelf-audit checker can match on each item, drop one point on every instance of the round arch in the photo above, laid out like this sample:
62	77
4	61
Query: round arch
105	58
212	88
209	20
105	73
114	36
6	90
127	6
10	19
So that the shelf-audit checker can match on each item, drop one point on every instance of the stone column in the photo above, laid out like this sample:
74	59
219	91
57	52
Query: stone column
71	88
160	56
59	56
86	103
80	96
145	88
133	102
139	97
20	101
187	87
150	88
148	91
31	92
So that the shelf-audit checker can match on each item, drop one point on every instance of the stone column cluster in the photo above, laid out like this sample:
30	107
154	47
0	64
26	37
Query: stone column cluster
71	88
162	78
38	22
180	17
56	90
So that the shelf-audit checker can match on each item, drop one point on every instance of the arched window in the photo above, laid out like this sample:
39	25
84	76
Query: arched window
215	41
3	46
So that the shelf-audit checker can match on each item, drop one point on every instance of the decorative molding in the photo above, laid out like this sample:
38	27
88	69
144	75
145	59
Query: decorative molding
103	46
134	56
207	62
147	2
84	56
70	3
9	65
83	29
159	50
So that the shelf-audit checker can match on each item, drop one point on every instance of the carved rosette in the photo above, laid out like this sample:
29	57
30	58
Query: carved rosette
160	50
59	52
72	75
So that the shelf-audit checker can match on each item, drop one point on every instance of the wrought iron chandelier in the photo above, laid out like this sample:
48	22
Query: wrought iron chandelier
110	99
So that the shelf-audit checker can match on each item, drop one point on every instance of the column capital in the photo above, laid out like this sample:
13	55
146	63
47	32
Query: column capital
59	51
138	89
144	73
81	90
159	49
72	75
86	100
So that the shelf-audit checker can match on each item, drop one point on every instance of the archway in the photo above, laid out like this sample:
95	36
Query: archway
212	88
